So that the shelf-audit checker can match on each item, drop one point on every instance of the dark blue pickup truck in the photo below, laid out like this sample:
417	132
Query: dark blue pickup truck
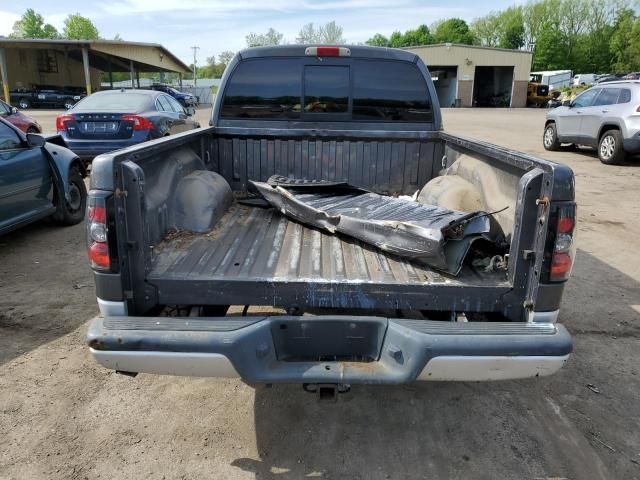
38	178
288	242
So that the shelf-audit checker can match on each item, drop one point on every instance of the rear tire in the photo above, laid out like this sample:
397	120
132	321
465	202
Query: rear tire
68	103
72	212
550	138
610	148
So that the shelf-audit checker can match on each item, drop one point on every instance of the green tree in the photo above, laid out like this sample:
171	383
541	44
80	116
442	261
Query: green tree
453	30
633	50
620	43
487	30
271	37
31	25
511	27
329	34
396	40
378	40
500	29
550	50
225	57
410	38
77	27
419	36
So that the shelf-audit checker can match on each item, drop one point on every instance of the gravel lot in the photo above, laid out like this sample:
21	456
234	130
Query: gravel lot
63	417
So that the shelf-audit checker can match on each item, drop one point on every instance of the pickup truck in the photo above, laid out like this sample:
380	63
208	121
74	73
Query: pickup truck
46	97
174	240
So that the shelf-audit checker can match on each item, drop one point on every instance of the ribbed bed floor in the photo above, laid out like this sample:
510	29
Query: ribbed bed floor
261	244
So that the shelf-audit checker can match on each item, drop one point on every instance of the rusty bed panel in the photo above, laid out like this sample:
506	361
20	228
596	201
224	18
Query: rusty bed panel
261	244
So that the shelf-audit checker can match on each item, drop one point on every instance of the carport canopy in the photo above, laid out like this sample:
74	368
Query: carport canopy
104	55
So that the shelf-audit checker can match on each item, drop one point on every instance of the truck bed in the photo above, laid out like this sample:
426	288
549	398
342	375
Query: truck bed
256	246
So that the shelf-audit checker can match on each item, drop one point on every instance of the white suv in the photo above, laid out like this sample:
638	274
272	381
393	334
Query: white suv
606	117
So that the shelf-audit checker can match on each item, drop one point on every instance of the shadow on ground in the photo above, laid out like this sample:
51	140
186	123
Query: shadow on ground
587	152
46	286
519	429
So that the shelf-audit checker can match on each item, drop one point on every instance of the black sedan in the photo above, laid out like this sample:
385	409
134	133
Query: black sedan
114	119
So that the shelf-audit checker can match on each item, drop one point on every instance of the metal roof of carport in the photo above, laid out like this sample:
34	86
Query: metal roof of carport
105	55
148	57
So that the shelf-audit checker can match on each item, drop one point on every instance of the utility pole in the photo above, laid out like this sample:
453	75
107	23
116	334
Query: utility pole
195	60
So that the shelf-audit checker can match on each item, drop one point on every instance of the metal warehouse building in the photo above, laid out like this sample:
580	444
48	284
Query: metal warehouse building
467	75
28	63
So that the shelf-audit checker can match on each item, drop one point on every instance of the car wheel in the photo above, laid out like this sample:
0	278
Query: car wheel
24	103
610	148
550	138
33	130
72	212
68	103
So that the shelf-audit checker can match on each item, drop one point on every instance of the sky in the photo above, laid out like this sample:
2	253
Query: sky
216	25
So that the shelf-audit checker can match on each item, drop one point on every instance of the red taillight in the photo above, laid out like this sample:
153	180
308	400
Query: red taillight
99	255
98	214
61	121
139	123
564	244
566	224
327	51
97	246
560	265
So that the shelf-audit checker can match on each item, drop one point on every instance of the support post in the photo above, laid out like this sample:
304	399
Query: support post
4	75
138	78
133	85
110	74
180	79
87	72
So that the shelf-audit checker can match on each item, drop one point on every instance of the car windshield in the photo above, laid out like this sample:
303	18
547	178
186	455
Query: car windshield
114	101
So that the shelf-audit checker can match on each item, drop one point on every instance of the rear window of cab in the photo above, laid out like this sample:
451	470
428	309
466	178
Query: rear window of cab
359	90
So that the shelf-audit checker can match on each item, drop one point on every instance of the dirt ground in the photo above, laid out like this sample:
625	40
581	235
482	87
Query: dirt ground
63	417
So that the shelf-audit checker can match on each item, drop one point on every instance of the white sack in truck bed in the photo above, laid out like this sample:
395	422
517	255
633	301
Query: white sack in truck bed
426	234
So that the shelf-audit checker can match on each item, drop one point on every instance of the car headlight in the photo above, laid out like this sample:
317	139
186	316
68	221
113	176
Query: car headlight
77	97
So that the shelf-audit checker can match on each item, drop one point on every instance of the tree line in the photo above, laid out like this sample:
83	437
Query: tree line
586	36
330	34
76	27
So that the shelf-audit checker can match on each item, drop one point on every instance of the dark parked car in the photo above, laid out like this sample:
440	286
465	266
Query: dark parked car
47	97
186	99
38	178
607	79
24	122
115	119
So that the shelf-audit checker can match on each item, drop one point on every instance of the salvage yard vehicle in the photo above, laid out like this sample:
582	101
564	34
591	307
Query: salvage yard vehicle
300	203
539	95
47	96
113	119
38	178
185	99
24	122
603	117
